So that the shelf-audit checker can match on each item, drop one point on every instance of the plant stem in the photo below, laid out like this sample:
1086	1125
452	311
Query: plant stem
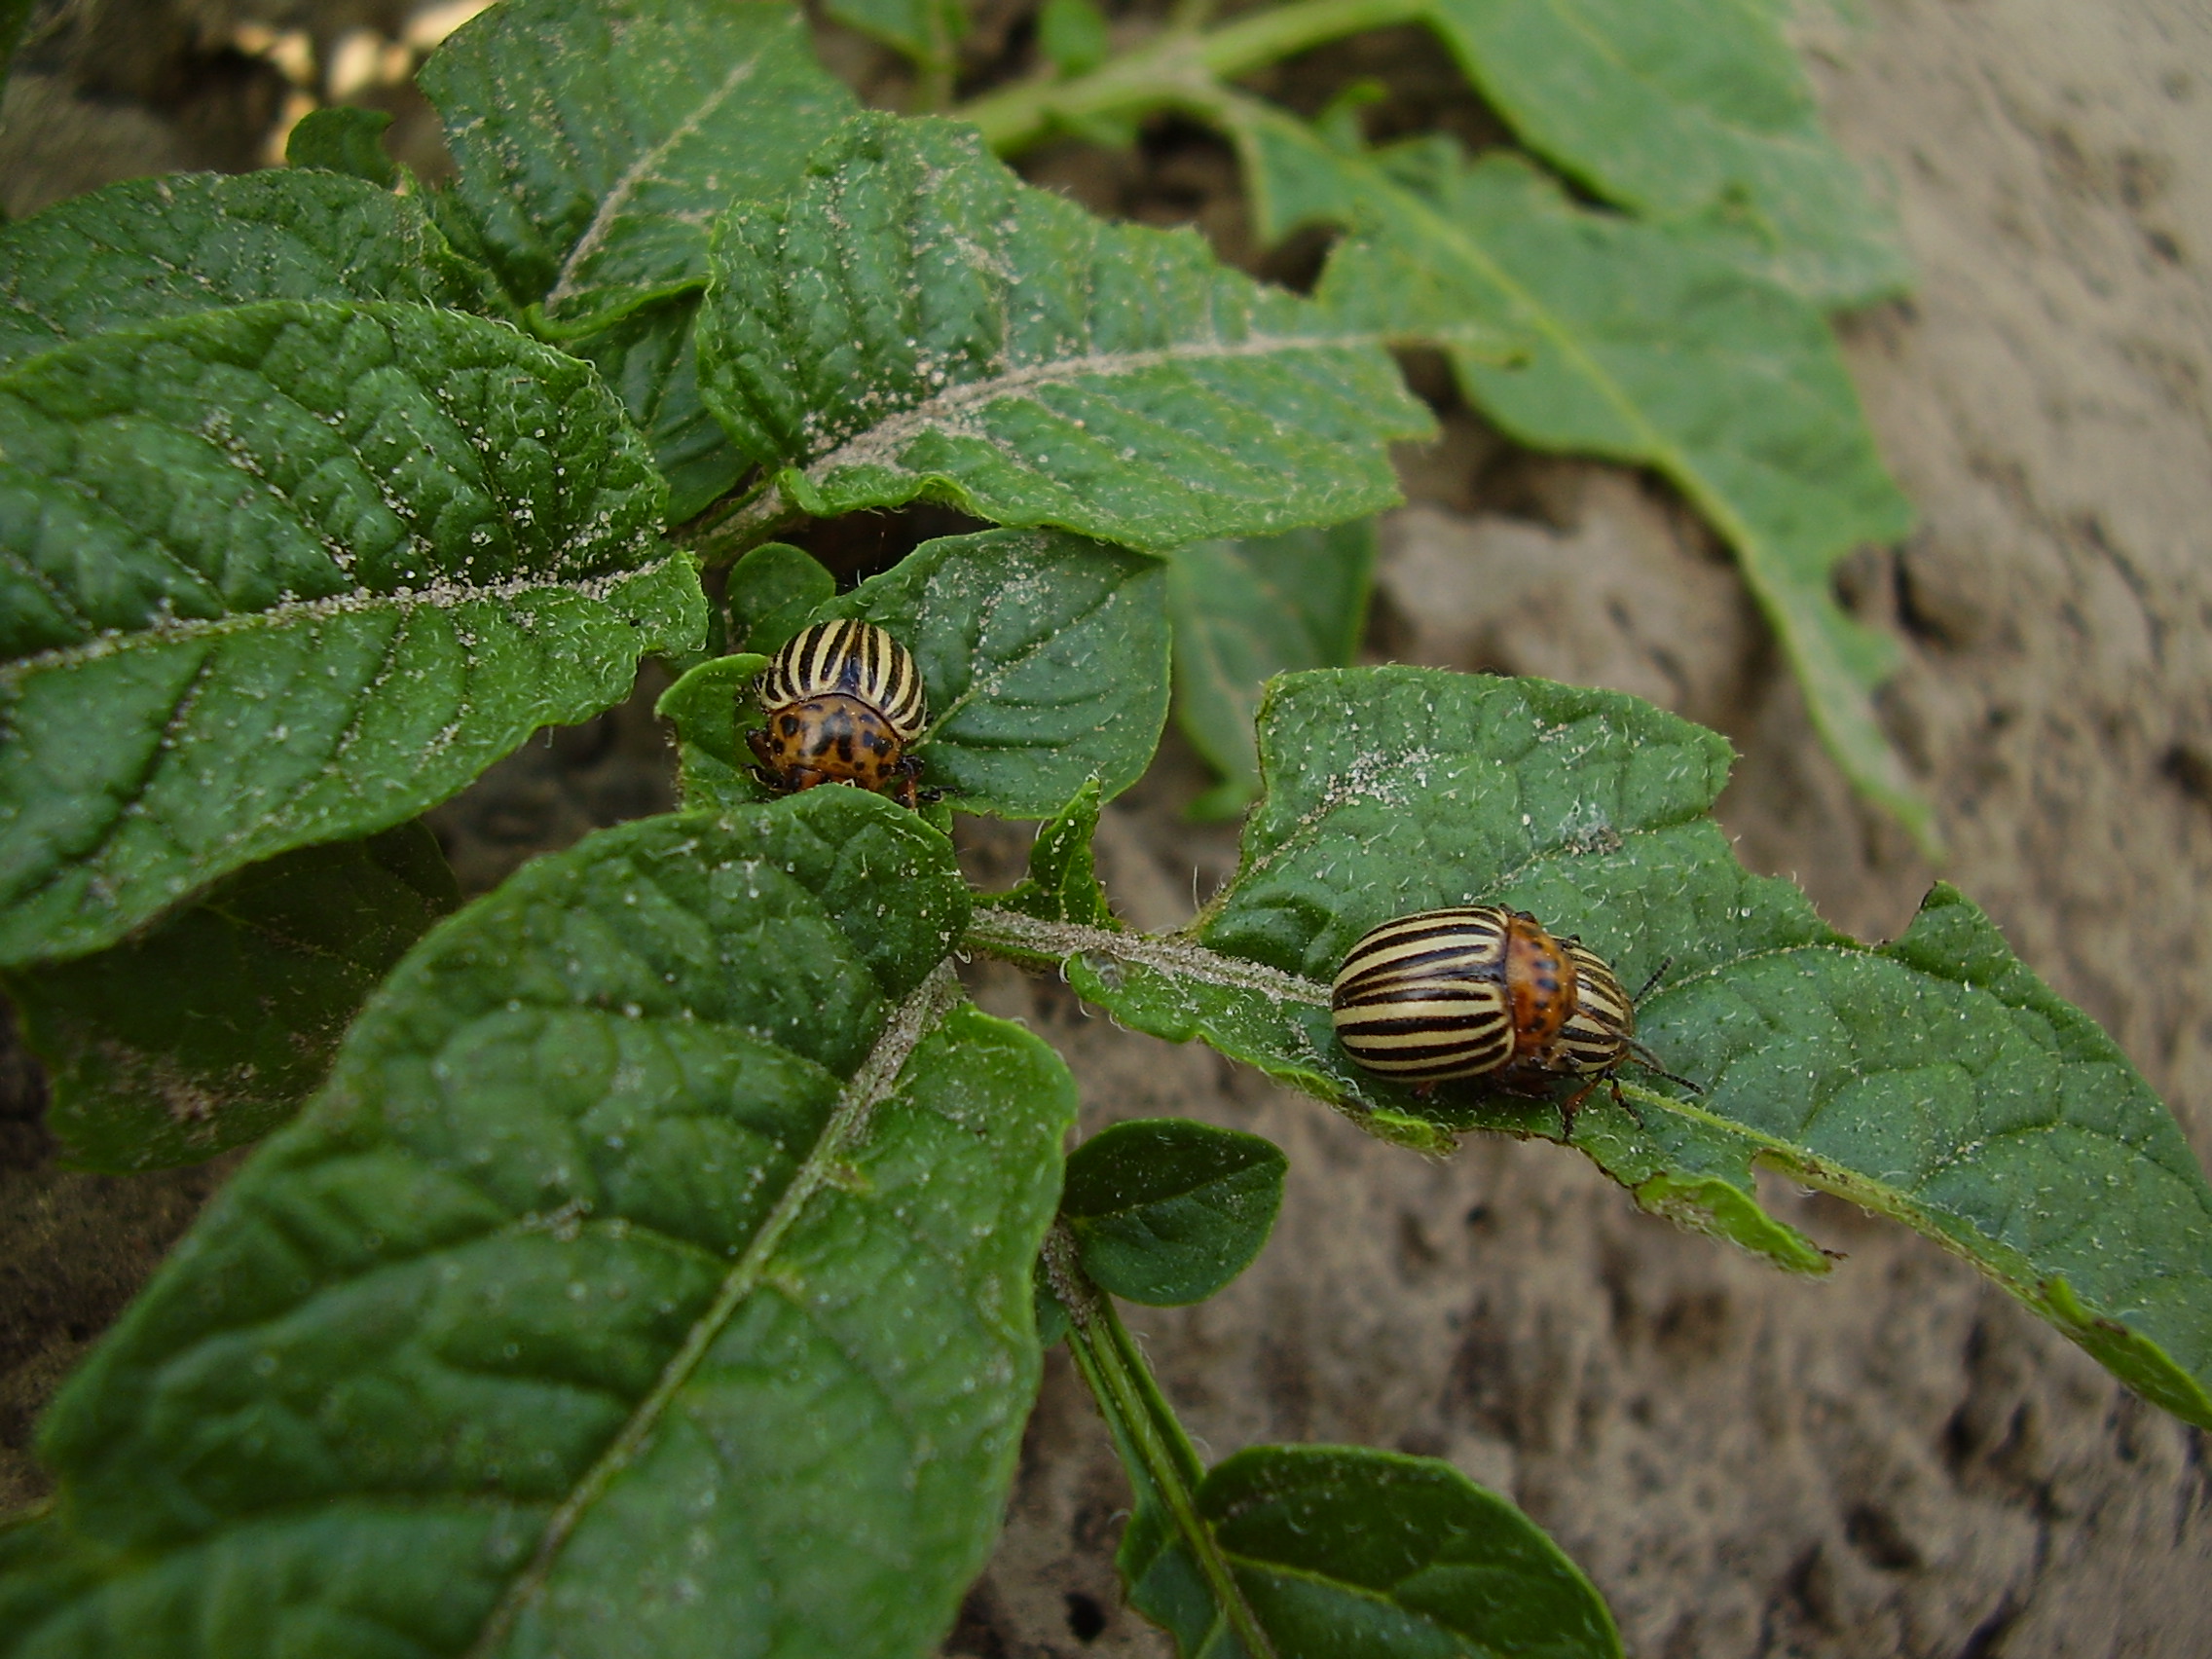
935	73
1131	1401
933	85
1174	66
736	525
1037	944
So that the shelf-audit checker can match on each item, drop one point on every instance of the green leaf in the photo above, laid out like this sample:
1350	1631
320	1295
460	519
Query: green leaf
1062	883
771	593
653	1276
1349	1553
159	247
650	360
595	139
924	31
288	574
343	139
712	707
1072	35
1045	656
915	323
1933	1080
41	1569
1339	125
1640	347
1690	111
1243	611
214	1025
1167	1211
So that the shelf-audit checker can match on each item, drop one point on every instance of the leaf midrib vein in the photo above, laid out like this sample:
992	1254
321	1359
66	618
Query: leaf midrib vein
1168	954
443	596
1662	452
1699	115
1172	956
874	445
871	1083
1756	549
1345	1586
1008	666
1996	1256
617	200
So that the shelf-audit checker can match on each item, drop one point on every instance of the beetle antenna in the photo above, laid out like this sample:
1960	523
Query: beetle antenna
1650	1063
1657	974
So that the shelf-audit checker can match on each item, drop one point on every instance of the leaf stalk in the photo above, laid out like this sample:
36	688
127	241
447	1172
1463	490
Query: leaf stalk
1033	942
1173	67
732	529
1129	1399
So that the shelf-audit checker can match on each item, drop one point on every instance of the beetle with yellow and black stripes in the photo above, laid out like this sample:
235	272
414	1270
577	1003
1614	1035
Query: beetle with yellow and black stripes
1482	992
844	702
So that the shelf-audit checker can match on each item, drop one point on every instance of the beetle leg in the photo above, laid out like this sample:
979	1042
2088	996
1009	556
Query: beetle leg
1626	1105
1523	1081
909	790
764	751
1573	1104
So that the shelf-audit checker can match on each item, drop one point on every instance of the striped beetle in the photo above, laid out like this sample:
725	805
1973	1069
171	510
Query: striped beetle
1481	991
843	701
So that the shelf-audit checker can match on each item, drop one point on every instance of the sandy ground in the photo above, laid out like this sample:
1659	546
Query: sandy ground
1898	1461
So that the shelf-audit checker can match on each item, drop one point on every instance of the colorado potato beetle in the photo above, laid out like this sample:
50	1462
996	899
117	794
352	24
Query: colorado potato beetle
1481	991
843	701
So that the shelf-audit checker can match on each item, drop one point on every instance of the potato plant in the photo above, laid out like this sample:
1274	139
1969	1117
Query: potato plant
654	1256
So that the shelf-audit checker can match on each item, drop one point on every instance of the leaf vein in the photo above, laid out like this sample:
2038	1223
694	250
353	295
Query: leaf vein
871	1083
875	445
641	167
443	596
